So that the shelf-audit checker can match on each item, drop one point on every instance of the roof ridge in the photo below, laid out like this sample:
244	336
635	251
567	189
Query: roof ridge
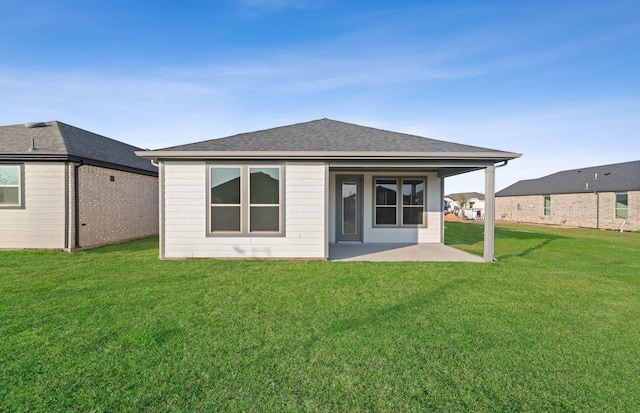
347	124
59	133
96	134
597	166
251	132
406	134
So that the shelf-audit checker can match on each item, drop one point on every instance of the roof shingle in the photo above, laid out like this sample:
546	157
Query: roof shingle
326	135
604	178
59	139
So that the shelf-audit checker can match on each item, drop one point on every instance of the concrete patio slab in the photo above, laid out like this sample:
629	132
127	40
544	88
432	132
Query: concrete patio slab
398	252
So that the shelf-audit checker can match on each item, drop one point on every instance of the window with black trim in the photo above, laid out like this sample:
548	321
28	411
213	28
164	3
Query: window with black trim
622	206
245	200
11	186
412	201
399	209
386	206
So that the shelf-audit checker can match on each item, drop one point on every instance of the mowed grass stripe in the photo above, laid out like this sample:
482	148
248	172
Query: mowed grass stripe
553	325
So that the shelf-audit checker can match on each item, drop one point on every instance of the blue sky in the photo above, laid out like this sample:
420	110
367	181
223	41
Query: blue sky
558	81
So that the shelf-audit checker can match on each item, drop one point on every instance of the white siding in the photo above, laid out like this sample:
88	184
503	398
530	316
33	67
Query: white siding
432	233
185	216
41	224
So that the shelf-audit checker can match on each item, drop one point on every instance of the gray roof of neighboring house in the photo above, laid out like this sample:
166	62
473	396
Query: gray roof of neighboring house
57	140
326	135
467	196
605	178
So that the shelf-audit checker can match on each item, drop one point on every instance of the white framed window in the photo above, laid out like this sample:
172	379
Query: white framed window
547	205
399	201
11	186
245	200
622	206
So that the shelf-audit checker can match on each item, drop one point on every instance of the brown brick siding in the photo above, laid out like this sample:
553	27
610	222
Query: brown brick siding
113	211
576	210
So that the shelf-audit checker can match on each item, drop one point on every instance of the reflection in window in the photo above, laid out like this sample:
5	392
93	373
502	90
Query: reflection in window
386	208
349	207
225	200
264	208
245	200
547	205
412	201
622	206
406	208
10	186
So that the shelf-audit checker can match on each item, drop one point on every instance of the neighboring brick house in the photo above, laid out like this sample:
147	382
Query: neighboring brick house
62	187
602	197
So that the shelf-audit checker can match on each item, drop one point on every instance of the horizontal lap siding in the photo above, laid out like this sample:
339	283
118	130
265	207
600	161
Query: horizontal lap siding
185	211
185	214
41	224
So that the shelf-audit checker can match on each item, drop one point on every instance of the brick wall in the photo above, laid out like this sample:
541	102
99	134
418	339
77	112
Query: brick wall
588	210
114	211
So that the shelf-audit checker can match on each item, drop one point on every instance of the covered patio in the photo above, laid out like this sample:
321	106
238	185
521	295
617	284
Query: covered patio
381	252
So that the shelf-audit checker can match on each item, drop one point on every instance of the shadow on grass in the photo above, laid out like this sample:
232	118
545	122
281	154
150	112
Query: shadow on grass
530	241
144	244
473	235
395	313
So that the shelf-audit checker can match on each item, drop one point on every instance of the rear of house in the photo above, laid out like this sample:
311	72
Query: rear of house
62	187
600	197
289	192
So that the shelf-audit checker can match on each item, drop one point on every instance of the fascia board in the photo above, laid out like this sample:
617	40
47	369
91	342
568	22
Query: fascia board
332	155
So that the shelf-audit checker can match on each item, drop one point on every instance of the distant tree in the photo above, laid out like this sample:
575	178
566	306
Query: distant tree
462	201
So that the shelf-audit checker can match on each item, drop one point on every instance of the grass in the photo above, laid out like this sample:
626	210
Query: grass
553	325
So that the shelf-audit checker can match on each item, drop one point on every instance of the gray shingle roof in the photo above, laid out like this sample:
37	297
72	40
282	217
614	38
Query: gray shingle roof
617	177
59	139
326	135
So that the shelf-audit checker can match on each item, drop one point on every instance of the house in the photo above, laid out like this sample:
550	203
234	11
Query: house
471	204
601	197
62	187
290	191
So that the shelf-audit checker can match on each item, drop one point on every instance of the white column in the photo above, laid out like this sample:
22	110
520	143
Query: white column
489	212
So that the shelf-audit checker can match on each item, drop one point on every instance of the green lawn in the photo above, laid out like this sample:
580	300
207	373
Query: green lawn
553	325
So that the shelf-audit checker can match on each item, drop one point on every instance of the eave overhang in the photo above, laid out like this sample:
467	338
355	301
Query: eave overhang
445	163
328	155
29	157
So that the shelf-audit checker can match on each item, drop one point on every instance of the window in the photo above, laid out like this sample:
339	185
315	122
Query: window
264	204
245	200
547	205
393	210
226	200
622	206
386	202
11	186
412	201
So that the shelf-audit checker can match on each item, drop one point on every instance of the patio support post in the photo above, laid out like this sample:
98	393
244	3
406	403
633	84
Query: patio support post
489	212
